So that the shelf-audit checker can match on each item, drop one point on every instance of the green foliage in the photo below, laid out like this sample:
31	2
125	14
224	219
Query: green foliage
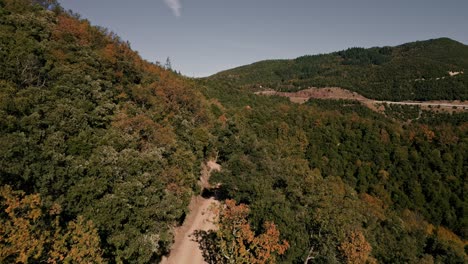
116	143
343	106
326	170
362	57
89	125
413	71
403	112
456	119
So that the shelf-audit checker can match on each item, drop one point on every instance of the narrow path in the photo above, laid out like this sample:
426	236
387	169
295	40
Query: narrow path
185	249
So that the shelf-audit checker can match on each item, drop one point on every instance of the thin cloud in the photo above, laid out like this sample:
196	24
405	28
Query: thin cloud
175	6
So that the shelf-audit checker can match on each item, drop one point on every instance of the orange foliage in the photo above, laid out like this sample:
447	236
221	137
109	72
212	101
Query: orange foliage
223	119
376	205
68	26
356	249
451	238
384	136
126	52
430	229
110	52
151	69
355	118
122	95
179	97
428	133
267	243
238	241
411	135
146	129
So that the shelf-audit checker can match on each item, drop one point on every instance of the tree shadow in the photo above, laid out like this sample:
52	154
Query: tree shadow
219	193
207	243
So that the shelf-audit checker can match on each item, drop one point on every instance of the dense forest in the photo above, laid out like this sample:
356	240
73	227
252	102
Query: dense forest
413	71
100	134
100	152
332	172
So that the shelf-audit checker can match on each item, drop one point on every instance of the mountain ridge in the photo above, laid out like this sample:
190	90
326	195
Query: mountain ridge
385	73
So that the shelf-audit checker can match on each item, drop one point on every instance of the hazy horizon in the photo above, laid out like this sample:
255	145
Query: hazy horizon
208	36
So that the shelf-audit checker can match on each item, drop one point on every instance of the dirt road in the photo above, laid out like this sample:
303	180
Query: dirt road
185	249
339	93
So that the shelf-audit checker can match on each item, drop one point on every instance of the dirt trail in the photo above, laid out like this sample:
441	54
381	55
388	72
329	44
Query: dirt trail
185	249
339	93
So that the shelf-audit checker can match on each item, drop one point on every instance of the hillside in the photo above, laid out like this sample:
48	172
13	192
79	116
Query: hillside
89	130
328	172
101	153
424	70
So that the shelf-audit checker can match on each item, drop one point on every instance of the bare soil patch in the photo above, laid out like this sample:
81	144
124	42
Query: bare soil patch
337	93
318	93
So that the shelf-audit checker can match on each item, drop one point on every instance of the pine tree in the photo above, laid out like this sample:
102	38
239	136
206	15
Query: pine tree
168	64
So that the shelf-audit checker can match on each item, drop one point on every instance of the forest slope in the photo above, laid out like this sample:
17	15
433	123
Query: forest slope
100	154
94	132
435	69
338	178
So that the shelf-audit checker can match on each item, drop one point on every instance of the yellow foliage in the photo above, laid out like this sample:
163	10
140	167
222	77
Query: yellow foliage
452	239
19	239
27	235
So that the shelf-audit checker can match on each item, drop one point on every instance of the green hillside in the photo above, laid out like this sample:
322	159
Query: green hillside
327	171
99	134
413	71
100	154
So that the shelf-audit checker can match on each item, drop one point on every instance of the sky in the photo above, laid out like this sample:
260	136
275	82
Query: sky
203	37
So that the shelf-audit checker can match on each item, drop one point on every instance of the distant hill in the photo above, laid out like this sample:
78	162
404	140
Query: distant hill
424	70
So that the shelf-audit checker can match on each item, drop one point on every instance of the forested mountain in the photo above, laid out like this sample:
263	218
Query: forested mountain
98	133
100	152
414	71
345	184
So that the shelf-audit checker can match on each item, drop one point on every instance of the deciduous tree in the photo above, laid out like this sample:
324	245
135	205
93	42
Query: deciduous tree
236	242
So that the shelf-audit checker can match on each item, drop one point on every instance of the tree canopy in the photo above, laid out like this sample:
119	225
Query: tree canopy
100	152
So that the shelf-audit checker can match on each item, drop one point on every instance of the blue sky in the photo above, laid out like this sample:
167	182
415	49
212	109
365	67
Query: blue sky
203	37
